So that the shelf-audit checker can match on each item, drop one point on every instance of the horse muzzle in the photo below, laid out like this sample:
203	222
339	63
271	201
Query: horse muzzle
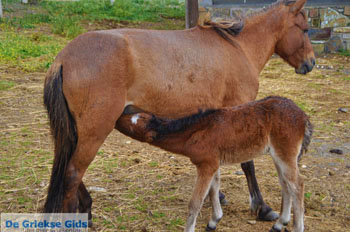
306	67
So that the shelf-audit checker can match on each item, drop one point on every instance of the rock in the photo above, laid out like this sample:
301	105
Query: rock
331	173
347	166
336	151
239	173
335	44
343	110
251	222
97	189
128	142
303	166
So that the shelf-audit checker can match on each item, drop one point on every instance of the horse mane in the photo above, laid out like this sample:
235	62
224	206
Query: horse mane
234	27
165	127
222	27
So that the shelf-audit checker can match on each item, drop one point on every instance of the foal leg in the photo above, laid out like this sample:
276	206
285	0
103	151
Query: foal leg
286	204
214	198
205	173
85	202
257	204
292	188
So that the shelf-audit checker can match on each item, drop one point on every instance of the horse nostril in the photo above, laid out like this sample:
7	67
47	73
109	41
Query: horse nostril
308	67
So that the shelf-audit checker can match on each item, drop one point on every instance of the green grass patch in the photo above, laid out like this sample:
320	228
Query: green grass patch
345	52
5	85
307	195
174	223
34	51
29	51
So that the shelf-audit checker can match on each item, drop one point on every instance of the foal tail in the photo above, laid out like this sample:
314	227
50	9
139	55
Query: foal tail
307	139
63	130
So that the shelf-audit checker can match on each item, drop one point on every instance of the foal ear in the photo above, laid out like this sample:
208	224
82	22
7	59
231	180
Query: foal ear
297	6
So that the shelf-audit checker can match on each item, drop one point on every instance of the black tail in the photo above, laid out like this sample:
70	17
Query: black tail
63	130
307	139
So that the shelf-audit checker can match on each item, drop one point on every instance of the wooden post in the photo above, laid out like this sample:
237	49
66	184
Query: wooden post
191	13
1	10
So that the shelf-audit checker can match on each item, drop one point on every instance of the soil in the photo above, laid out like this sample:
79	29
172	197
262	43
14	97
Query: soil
136	187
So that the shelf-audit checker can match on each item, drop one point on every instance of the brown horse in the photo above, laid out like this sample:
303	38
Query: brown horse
169	73
232	135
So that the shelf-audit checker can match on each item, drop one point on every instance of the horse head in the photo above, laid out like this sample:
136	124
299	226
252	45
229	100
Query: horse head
294	44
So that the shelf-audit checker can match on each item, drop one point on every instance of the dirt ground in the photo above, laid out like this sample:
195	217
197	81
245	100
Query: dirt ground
136	187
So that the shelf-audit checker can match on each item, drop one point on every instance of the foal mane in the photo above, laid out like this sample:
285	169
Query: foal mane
165	127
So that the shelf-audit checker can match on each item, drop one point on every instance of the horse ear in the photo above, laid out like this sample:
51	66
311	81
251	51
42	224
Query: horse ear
297	6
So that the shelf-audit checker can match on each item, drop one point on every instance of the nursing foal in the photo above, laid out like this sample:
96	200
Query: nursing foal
232	135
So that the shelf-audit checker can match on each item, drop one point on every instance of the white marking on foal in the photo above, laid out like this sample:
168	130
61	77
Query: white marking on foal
134	119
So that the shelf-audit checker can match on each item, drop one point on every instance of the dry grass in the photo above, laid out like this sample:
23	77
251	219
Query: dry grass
146	189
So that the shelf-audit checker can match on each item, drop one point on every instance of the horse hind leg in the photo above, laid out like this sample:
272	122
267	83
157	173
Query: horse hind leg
85	202
93	127
87	147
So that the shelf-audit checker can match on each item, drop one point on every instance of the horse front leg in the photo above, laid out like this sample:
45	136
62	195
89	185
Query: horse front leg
257	204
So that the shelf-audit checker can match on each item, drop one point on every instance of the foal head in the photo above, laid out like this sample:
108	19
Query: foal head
135	125
294	45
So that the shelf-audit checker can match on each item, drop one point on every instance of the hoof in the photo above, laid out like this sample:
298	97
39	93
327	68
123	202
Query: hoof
273	229
208	228
267	214
222	199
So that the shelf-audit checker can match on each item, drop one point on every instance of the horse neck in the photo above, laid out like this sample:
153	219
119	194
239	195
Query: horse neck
260	35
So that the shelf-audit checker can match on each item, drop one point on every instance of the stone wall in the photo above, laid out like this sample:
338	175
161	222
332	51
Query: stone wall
329	17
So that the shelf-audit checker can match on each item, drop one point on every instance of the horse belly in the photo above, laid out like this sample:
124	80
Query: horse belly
175	87
176	99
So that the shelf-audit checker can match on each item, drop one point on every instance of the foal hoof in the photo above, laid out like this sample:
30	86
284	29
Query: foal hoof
208	228
222	199
267	214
